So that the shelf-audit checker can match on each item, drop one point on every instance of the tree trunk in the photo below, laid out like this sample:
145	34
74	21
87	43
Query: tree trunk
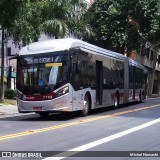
56	36
151	82
2	68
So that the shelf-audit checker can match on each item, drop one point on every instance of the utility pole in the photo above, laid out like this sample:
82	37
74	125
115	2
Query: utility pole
2	68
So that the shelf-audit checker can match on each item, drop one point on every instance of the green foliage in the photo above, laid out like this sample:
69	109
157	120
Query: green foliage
8	12
56	18
10	93
65	18
28	22
122	22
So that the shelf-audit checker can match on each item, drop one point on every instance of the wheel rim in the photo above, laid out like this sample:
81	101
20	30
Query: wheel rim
85	106
116	103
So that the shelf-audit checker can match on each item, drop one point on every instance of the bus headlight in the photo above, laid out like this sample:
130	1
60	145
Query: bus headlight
62	91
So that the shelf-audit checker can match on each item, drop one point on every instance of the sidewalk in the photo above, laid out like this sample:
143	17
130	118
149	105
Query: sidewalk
8	109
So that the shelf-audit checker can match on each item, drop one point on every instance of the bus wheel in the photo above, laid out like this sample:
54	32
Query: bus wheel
116	101
43	114
86	105
140	97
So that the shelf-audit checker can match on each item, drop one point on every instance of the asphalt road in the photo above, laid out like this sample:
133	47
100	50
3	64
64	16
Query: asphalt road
130	132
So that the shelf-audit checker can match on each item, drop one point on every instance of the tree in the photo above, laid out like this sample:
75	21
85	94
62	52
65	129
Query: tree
78	27
28	22
56	18
8	12
64	18
122	23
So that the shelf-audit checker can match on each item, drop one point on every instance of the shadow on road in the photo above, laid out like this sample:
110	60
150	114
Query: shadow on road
64	116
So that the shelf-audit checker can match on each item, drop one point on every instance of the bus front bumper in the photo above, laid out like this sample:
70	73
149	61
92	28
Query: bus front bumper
60	104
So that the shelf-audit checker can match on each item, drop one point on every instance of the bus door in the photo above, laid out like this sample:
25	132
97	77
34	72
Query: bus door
99	82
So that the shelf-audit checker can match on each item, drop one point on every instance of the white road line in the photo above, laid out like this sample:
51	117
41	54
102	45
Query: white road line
102	141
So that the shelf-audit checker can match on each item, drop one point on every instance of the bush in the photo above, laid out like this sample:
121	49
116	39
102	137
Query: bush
10	93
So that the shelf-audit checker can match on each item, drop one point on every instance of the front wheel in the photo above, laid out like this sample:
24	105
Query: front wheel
43	114
86	106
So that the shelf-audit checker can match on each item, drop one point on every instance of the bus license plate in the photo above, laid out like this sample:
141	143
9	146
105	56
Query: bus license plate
37	108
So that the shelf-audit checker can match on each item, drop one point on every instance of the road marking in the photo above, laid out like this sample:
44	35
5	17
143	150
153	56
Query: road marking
101	141
30	132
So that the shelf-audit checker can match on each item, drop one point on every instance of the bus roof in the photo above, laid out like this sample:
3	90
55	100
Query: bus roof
68	43
65	44
134	63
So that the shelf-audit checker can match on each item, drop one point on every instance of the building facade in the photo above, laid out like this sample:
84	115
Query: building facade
148	55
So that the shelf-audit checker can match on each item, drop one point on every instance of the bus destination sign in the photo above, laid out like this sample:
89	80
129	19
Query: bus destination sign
39	60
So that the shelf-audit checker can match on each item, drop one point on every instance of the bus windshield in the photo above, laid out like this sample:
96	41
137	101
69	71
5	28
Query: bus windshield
41	74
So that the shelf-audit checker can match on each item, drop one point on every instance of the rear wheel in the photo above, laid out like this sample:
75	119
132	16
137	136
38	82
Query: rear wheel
116	101
86	106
